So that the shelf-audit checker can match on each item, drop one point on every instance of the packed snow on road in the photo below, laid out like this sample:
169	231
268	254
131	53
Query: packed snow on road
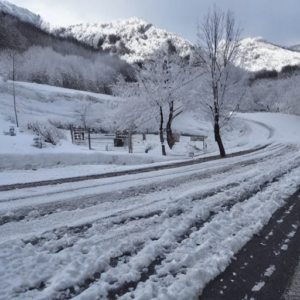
154	235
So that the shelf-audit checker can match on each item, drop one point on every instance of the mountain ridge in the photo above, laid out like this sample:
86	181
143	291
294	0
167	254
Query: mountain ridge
134	40
256	54
22	13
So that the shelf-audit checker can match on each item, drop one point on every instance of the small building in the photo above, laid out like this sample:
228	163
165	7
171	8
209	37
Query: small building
197	138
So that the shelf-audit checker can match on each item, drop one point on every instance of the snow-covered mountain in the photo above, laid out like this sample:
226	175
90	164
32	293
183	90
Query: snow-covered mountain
256	54
22	14
133	39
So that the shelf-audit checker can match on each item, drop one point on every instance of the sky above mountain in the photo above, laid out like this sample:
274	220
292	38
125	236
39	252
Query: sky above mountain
275	20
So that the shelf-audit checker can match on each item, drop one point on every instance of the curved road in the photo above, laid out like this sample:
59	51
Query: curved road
164	234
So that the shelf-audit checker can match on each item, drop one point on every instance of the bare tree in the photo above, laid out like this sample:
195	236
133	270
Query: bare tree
218	41
162	79
158	92
82	113
144	100
11	56
14	43
176	73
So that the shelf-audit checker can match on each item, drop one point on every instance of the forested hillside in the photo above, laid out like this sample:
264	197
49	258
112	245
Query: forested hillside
42	57
132	39
257	54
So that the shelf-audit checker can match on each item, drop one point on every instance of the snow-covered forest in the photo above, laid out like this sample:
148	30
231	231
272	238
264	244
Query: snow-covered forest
42	57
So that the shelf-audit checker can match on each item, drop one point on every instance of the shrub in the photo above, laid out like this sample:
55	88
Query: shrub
59	124
46	131
10	118
39	142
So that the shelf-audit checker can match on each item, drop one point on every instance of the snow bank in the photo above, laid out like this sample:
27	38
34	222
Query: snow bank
47	160
285	127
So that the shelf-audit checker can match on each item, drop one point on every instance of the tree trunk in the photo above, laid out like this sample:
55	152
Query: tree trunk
161	135
216	123
170	138
218	136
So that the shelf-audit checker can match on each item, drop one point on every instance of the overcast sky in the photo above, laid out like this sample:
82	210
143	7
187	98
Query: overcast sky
278	21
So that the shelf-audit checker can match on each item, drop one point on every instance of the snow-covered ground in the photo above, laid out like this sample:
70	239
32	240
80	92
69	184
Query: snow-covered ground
36	102
156	235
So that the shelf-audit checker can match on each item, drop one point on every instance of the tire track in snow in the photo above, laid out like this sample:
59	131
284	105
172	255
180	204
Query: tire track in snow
128	172
70	291
210	218
269	128
159	260
136	256
93	200
196	226
201	195
10	196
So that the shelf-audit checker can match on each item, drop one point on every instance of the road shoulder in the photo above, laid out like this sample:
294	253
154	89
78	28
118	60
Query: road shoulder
264	267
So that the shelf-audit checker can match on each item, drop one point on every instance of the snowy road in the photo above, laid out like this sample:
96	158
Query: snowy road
157	235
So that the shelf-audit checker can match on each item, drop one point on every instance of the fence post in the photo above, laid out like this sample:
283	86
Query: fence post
82	132
161	135
89	137
204	146
129	142
72	134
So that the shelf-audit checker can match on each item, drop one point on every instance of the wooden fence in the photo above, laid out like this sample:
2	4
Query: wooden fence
125	141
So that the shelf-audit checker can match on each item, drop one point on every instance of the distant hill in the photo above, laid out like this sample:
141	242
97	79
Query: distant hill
52	59
22	14
257	54
132	39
